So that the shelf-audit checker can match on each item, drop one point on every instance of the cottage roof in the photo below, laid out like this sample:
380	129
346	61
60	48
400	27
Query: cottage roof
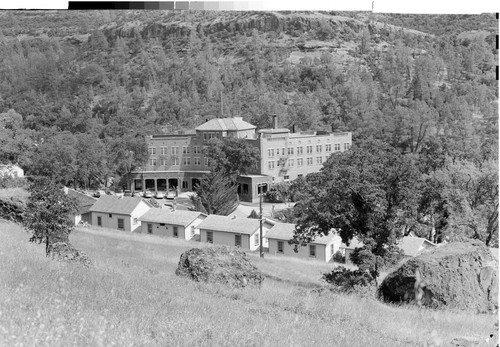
165	215
413	245
284	231
224	124
355	243
230	225
114	204
85	202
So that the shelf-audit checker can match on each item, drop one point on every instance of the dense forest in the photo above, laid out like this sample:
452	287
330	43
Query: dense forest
80	90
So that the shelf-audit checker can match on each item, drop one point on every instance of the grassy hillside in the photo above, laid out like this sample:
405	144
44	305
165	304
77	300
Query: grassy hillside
132	297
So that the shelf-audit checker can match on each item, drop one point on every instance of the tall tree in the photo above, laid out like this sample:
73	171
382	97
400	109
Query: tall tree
216	194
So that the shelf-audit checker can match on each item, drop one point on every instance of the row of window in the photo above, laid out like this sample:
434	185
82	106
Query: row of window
176	161
174	150
300	162
309	149
312	249
237	239
175	229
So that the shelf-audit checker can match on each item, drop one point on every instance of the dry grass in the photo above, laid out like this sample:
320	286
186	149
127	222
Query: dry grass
132	297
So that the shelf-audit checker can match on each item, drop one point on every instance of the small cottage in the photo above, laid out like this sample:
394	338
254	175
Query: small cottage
120	213
232	231
164	222
11	170
85	202
322	248
347	250
413	246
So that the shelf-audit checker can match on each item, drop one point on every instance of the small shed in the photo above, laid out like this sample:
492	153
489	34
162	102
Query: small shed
178	223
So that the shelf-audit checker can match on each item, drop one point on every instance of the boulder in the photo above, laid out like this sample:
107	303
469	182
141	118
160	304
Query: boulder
219	264
459	275
63	251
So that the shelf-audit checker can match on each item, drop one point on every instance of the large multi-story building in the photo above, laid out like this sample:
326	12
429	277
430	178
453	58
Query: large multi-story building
178	161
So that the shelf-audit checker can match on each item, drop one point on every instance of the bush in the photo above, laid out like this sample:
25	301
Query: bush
347	281
6	181
339	257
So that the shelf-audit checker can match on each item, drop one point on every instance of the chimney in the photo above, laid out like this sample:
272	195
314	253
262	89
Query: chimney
293	129
275	122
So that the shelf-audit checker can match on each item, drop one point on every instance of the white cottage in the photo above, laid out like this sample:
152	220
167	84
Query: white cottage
322	248
120	213
164	222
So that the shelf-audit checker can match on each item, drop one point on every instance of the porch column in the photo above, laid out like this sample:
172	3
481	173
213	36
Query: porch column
156	185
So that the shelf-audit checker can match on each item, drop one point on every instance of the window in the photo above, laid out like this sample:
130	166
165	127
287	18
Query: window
245	188
337	147
271	165
205	161
300	162
176	231
257	239
175	161
319	160
299	150
184	184
175	150
121	223
99	221
318	148
270	152
312	251
346	146
163	150
237	240
110	215
286	177
150	228
309	149
210	237
192	231
152	162
332	249
290	151
162	224
282	151
187	161
290	162
152	150
281	247
309	161
163	161
196	149
185	150
197	161
328	147
135	220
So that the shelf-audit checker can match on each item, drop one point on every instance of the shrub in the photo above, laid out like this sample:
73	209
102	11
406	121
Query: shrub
339	257
347	281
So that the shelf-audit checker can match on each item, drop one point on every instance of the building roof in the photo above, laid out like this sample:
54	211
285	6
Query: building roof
224	124
165	215
119	205
284	231
85	202
355	243
235	225
413	245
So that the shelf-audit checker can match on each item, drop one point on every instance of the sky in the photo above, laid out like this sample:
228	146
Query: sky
394	6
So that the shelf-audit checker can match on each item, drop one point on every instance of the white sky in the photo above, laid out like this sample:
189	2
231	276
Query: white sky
396	6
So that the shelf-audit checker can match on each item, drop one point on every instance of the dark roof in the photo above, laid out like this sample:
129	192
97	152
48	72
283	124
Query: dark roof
85	202
284	231
231	225
165	215
224	124
114	204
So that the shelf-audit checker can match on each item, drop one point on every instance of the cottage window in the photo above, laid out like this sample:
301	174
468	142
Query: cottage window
192	230
332	249
280	247
257	239
150	228
135	220
312	251
121	223
176	231
237	240
110	215
99	221
210	237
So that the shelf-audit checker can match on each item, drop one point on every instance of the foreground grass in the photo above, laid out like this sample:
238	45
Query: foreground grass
132	297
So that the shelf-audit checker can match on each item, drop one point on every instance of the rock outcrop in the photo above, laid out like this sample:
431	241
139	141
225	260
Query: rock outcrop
459	275
63	251
219	264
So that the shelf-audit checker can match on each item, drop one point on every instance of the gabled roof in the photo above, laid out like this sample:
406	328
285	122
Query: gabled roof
224	124
236	225
284	231
355	243
85	202
165	215
413	245
114	204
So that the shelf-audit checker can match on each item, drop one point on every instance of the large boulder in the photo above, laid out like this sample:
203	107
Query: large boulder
219	264
459	275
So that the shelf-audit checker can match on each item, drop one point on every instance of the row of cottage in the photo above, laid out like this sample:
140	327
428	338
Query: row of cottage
137	214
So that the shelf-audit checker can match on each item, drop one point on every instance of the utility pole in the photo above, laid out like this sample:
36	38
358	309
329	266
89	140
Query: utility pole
221	104
261	247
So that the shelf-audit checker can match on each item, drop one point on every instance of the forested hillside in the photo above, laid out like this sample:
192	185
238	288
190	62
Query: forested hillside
79	90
